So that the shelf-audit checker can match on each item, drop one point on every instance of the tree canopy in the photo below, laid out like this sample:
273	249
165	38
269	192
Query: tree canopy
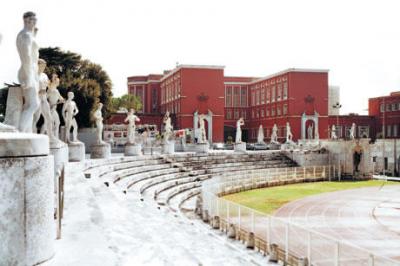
127	101
89	82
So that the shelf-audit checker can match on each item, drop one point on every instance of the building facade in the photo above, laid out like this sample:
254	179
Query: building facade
300	97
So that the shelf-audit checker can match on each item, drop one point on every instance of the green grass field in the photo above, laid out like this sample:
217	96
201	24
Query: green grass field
270	199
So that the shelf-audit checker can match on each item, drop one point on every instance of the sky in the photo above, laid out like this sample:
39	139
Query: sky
358	41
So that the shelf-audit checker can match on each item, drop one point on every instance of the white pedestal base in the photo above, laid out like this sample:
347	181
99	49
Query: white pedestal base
239	147
76	151
59	150
168	148
133	149
99	151
26	199
202	147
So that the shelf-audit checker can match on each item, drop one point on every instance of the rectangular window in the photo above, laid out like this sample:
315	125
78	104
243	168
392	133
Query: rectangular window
285	91
278	110
267	112
389	131
253	98
388	107
382	108
272	111
268	94
236	97
279	94
236	114
252	113
394	107
262	112
395	131
363	131
347	131
273	94
228	96
243	97
257	97
262	96
244	114
284	109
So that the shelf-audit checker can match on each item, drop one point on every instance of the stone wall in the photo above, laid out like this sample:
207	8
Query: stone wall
390	149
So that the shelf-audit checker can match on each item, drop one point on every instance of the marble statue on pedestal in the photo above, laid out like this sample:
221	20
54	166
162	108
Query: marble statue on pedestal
54	97
333	132
98	118
131	119
28	74
289	135
202	128
44	104
168	128
310	130
353	131
239	123
69	111
260	135
274	135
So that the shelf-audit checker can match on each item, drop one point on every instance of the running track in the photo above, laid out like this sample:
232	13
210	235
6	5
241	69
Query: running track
366	217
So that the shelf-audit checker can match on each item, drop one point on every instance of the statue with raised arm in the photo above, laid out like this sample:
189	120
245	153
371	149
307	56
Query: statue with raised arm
274	135
28	74
289	135
333	132
260	135
131	119
168	128
54	97
353	131
202	128
239	123
98	118
69	111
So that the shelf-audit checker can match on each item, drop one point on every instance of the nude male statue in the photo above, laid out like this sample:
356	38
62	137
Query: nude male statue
131	119
54	97
98	117
28	74
69	111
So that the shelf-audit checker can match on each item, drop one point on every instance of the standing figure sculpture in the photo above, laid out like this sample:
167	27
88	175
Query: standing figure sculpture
353	131
28	74
54	97
260	135
202	128
98	118
69	111
168	128
274	135
289	135
310	132
131	118
239	123
333	132
44	104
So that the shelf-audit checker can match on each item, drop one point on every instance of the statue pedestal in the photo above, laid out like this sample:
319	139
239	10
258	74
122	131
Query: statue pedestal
59	150
133	149
240	147
202	147
26	199
100	151
14	106
168	148
76	151
274	146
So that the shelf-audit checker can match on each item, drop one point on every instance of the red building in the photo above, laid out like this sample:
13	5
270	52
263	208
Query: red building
386	110
297	96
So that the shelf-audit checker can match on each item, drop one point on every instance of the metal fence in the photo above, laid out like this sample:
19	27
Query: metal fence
289	242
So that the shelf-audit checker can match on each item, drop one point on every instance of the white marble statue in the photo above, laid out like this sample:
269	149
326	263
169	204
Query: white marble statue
310	130
54	97
28	74
239	123
274	134
260	135
69	111
98	118
289	135
131	118
316	133
168	128
353	131
202	129
333	132
44	104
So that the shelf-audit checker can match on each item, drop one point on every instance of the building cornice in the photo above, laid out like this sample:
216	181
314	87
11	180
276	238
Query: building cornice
308	70
179	67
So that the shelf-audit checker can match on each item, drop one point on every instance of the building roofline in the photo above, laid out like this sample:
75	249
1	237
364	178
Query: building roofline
179	67
290	70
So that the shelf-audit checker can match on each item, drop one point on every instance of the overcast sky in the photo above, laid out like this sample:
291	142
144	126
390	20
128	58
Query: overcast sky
358	41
